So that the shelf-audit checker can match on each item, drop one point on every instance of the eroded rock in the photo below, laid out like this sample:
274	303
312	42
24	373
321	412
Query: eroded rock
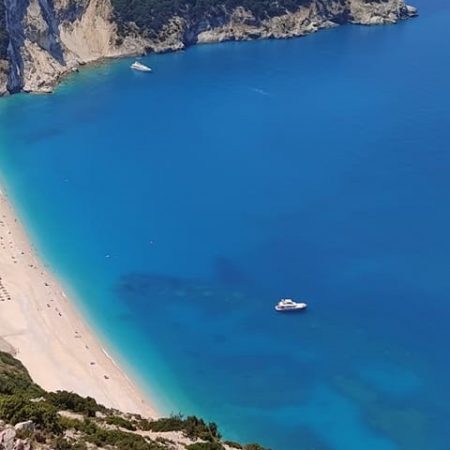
50	40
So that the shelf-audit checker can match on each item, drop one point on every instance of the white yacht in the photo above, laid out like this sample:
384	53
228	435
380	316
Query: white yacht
286	304
140	67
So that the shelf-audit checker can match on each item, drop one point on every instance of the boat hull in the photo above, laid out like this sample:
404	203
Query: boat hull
140	68
290	310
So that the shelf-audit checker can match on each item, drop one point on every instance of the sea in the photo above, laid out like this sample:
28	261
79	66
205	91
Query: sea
178	207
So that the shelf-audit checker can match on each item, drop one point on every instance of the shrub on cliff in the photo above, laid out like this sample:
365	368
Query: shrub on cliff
15	408
205	446
120	422
191	426
14	378
151	15
3	33
64	400
121	440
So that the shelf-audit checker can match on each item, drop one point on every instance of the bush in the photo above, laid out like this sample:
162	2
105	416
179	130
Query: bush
196	428
233	444
121	440
64	400
151	15
4	39
67	423
205	446
192	426
16	409
120	422
62	444
172	423
79	445
15	380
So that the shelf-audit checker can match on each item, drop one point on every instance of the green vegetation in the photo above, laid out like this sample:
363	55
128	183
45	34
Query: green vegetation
3	33
120	422
219	446
22	400
73	402
14	378
121	440
16	408
252	447
191	426
233	444
151	15
205	446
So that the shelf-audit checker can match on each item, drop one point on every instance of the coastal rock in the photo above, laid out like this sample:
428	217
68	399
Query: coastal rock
243	26
4	69
22	445
7	438
171	38
379	13
48	40
91	35
412	11
41	70
27	426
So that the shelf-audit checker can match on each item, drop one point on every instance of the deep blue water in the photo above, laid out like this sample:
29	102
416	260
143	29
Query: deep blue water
234	175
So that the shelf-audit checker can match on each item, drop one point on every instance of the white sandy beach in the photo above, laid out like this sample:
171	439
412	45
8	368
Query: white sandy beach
42	328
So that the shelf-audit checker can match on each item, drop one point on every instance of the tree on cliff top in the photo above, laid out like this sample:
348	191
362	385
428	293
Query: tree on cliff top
3	33
152	15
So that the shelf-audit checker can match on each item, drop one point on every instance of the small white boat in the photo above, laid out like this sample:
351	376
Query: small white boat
286	304
140	67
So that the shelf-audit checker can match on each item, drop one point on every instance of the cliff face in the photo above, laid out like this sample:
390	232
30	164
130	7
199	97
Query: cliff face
42	40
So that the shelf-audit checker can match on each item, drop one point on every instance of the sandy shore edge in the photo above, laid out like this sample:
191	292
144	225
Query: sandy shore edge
43	329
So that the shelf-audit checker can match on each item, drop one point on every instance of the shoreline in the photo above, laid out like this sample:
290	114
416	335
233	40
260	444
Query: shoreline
46	332
179	33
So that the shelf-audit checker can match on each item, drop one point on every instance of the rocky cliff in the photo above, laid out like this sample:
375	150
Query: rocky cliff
42	40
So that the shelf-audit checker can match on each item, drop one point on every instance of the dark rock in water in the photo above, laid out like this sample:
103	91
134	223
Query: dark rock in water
147	288
227	272
181	301
41	135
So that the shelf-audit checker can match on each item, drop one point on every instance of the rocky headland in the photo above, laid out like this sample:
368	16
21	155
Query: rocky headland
41	40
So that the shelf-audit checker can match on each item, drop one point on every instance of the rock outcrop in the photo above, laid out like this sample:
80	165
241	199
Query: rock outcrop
7	437
43	40
378	13
4	70
27	426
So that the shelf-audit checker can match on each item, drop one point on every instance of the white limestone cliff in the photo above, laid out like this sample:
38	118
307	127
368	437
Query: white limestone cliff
48	40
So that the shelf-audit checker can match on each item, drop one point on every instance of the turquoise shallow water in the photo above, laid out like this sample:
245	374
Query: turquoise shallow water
178	207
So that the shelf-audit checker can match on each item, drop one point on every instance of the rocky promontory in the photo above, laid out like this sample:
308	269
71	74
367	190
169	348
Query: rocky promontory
41	41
